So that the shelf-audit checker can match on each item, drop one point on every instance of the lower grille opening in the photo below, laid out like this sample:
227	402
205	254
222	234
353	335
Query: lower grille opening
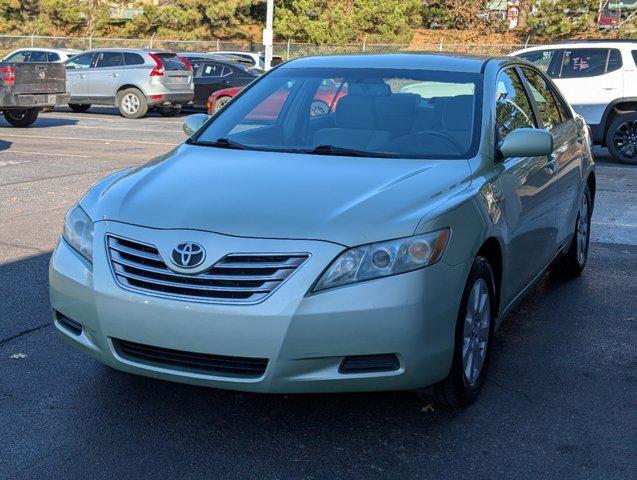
192	361
69	324
385	362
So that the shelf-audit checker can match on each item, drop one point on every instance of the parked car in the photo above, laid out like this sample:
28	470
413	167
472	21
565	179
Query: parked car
374	247
134	80
212	73
599	79
27	88
41	55
218	99
256	59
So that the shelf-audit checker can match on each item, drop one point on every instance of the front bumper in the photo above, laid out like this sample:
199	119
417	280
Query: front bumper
39	100
303	337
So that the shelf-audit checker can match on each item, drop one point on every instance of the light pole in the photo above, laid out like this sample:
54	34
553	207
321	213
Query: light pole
268	34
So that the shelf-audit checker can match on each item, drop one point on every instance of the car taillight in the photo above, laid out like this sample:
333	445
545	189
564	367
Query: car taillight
8	76
186	62
158	70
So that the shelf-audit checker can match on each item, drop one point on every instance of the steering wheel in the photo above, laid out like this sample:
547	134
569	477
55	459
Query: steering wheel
445	137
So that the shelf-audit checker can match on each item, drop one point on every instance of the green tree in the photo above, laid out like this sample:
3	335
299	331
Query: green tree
560	18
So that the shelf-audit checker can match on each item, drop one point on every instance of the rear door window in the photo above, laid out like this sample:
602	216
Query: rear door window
584	62
80	62
541	58
110	60
53	57
635	57
513	108
213	70
133	59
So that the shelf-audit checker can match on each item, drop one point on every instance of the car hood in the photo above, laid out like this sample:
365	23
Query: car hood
346	200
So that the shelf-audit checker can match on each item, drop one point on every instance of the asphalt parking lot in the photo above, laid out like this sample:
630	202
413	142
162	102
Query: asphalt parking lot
560	400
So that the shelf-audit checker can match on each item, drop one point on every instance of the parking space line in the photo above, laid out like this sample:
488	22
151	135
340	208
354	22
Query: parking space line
48	154
79	139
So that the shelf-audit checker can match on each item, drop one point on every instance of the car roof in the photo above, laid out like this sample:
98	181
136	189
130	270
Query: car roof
451	62
129	50
48	49
578	43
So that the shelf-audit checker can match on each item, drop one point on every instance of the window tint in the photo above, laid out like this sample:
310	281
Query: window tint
37	56
80	61
583	62
513	109
614	61
213	70
133	59
544	99
53	57
541	58
171	61
109	60
18	57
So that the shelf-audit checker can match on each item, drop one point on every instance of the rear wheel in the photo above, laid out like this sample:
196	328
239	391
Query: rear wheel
132	103
572	263
474	333
169	110
79	107
621	138
22	117
220	102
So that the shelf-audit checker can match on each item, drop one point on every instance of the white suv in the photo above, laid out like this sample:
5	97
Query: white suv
599	80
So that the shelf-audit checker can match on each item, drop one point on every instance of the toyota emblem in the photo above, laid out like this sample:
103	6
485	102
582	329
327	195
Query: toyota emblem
188	255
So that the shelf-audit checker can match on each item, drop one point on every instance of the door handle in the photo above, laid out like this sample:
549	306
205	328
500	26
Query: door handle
609	88
114	74
82	76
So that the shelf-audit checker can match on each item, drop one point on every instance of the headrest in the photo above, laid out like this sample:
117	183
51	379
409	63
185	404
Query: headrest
355	112
457	113
398	104
376	89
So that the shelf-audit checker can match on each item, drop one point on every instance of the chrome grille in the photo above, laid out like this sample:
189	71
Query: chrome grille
236	278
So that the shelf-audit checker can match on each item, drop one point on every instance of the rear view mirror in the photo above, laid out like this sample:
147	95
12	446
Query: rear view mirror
527	142
192	123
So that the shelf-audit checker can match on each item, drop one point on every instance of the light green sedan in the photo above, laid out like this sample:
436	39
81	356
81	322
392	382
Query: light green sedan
374	246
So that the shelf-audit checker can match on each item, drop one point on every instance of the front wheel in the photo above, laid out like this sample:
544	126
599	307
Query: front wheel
21	118
474	334
621	138
220	103
132	103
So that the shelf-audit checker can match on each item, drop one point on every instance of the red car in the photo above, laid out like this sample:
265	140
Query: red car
327	96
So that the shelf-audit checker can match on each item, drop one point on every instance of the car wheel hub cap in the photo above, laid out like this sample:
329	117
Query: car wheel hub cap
582	230
625	139
475	337
131	103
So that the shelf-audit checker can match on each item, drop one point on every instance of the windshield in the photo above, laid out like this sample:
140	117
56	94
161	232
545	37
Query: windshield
367	112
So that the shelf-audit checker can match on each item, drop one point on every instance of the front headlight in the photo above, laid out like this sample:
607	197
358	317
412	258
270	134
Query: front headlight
383	259
78	232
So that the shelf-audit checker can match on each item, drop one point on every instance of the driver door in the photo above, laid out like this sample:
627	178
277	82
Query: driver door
528	202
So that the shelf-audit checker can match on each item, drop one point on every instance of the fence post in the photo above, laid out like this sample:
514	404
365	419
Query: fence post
90	41
218	45
365	43
526	44
151	40
442	39
32	37
287	51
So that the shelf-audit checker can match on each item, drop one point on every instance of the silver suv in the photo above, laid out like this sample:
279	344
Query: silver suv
134	80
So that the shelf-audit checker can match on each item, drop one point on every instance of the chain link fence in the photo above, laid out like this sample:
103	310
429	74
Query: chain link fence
286	50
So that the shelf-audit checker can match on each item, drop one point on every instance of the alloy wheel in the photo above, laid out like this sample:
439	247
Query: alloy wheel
130	103
583	226
475	336
625	139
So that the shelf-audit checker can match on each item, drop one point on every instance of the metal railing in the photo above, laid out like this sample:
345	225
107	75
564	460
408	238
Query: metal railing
286	50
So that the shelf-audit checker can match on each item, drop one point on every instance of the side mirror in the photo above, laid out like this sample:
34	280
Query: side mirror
192	123
527	142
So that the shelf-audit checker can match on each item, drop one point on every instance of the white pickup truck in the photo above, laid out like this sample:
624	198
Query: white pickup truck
599	80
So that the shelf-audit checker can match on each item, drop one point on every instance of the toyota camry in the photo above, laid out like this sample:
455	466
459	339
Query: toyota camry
376	244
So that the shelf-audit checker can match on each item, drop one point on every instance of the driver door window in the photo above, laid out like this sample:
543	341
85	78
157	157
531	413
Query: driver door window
513	108
80	62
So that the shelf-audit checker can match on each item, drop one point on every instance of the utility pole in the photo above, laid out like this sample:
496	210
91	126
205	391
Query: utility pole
268	34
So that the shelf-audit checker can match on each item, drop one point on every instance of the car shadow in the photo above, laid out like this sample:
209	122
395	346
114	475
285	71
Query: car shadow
4	145
43	122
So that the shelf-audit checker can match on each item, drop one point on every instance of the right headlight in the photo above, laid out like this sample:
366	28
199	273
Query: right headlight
382	259
78	232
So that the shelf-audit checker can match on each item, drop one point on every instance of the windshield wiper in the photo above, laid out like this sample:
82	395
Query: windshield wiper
221	143
346	152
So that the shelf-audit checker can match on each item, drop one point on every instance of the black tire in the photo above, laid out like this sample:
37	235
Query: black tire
169	110
621	138
456	390
79	107
220	102
132	103
21	118
572	263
